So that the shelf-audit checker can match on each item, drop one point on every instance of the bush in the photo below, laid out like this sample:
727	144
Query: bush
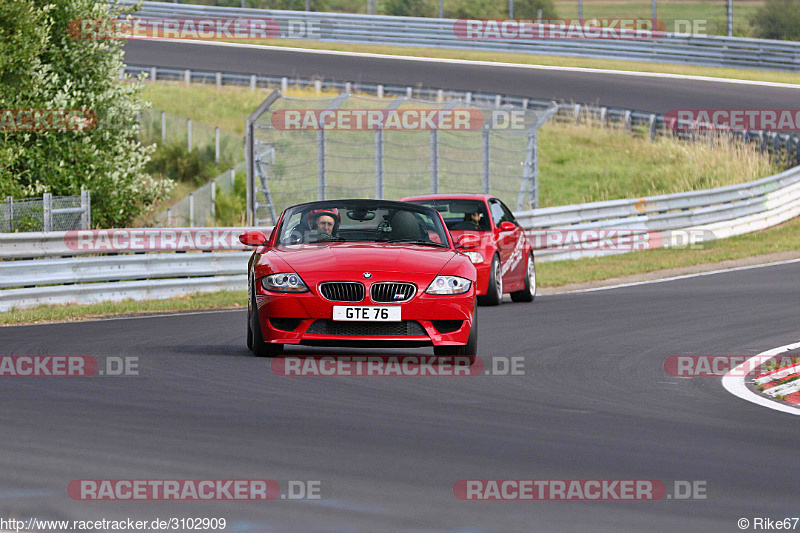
528	9
778	19
43	67
409	8
173	161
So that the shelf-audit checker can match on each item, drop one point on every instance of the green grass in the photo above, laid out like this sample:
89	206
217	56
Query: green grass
669	11
65	313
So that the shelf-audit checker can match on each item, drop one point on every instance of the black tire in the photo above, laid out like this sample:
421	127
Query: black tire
494	291
470	349
528	294
259	347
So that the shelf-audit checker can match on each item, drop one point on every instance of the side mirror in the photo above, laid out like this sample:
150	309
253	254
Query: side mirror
252	238
507	226
468	241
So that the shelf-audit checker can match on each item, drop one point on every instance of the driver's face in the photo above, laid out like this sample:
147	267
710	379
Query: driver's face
475	217
325	223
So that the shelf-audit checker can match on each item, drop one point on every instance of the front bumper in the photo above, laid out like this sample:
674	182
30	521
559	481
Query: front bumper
306	318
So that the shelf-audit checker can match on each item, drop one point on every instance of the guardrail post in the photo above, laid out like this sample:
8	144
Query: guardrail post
525	103
213	199
603	115
498	100
284	84
189	134
653	127
409	92
169	217
468	97
252	82
47	211
191	210
153	72
187	76
216	145
379	164
439	95
10	212
321	188
86	206
434	161
627	119
576	111
317	86
485	159
163	126
380	91
348	88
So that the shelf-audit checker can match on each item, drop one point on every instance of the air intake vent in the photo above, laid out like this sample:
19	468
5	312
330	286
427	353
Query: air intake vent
342	291
392	292
366	329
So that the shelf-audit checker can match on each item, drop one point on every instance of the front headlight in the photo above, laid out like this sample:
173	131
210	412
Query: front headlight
475	257
284	282
448	285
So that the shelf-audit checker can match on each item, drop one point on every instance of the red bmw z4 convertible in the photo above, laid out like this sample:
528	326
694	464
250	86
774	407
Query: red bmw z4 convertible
361	273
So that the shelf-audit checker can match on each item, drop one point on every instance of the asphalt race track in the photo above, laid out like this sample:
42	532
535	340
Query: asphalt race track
645	93
594	403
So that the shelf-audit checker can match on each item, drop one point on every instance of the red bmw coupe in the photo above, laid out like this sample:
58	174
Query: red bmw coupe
369	273
504	258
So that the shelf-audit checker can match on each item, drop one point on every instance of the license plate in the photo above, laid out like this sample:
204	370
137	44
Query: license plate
367	314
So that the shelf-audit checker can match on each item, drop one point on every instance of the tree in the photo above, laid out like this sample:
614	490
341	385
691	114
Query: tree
778	19
43	67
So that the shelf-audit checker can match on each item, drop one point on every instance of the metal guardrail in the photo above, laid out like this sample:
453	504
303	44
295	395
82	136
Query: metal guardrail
702	50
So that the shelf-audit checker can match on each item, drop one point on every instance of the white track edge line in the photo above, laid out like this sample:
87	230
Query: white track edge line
735	384
710	79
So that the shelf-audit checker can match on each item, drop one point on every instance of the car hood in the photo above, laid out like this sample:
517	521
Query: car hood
329	257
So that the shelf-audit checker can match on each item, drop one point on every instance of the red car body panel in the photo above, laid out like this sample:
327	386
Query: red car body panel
511	246
348	261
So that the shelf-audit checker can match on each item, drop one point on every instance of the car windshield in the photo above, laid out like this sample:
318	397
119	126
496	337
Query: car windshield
460	214
362	221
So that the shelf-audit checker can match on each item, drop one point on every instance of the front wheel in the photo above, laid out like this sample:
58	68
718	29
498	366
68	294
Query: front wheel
529	292
494	292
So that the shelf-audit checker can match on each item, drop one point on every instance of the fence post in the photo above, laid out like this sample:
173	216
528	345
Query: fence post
409	92
169	217
627	119
86	206
379	164
47	211
653	127
233	178
189	134
252	82
153	72
485	159
219	80
10	212
434	161
163	126
530	171
348	88
216	145
187	76
321	192
380	91
284	84
191	210
213	200
317	86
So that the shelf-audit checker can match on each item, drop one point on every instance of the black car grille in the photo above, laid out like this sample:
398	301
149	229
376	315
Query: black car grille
366	329
392	292
342	291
